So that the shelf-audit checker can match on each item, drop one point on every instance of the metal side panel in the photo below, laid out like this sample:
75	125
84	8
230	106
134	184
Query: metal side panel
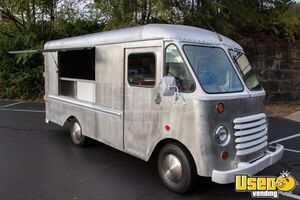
51	78
46	80
193	123
109	92
99	123
109	76
86	91
51	72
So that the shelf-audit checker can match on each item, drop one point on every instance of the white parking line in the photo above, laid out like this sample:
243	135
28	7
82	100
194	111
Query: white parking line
294	196
12	104
291	150
21	110
285	138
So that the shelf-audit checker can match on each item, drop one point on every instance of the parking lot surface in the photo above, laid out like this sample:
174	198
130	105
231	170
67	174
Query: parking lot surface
39	161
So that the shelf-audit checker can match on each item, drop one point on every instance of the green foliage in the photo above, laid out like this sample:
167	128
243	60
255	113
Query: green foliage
24	84
238	18
287	24
28	24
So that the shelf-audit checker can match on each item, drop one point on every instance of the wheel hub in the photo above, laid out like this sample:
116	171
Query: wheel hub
76	132
172	168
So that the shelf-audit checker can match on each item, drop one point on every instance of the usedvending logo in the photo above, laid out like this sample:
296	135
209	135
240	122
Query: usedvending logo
265	187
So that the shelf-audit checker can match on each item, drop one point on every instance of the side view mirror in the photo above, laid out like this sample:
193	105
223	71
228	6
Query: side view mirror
168	86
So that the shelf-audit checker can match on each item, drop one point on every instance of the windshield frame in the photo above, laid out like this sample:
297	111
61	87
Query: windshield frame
241	73
182	55
230	61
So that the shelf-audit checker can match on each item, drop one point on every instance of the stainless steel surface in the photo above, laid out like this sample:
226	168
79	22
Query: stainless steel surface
141	113
243	151
76	133
129	119
251	134
51	72
144	33
45	50
76	80
249	118
250	169
172	168
245	125
110	94
51	78
110	77
250	137
85	105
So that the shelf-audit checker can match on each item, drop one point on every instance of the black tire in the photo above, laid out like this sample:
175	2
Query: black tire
177	183
76	135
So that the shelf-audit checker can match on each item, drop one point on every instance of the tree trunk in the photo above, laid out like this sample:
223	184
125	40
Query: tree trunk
144	11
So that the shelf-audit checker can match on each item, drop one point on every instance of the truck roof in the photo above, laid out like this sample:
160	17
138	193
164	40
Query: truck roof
146	32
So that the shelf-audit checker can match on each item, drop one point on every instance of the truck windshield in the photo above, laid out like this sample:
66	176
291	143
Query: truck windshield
213	69
245	69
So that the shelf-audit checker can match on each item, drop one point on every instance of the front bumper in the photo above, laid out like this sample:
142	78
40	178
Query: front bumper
250	169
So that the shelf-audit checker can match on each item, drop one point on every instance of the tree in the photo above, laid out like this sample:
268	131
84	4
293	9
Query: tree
28	25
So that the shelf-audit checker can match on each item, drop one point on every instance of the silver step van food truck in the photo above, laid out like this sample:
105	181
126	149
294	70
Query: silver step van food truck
187	94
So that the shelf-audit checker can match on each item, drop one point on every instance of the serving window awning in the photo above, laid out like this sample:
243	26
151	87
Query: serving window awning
48	50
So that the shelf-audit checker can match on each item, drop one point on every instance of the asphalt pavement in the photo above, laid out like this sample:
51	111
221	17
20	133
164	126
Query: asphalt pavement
39	161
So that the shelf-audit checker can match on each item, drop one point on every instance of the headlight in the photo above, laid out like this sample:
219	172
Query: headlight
222	136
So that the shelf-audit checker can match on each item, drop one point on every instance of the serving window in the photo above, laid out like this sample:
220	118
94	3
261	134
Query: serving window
77	64
77	74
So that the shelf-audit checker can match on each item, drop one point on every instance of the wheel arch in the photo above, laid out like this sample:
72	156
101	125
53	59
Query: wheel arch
165	141
69	119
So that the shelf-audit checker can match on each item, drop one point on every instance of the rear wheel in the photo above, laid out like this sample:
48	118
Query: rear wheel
76	133
176	168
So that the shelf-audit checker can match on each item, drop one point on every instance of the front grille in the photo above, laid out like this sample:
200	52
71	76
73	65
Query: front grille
251	134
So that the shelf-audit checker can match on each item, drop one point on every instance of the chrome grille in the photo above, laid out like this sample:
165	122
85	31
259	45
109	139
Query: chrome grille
251	134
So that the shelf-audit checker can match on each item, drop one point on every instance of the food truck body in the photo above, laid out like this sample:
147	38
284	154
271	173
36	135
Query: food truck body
186	94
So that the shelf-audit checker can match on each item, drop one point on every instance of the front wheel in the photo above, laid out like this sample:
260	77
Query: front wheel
76	133
176	168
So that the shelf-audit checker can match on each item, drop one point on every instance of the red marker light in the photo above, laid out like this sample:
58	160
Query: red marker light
224	155
167	127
